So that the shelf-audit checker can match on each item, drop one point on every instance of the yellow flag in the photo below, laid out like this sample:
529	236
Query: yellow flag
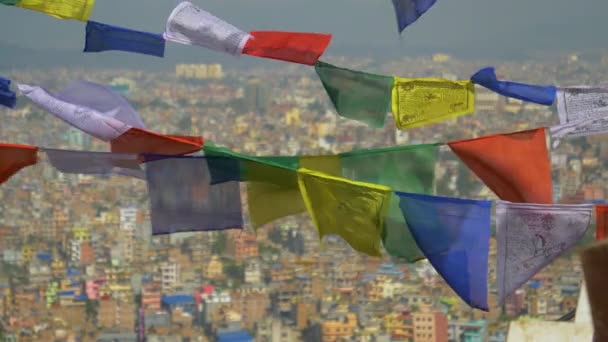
353	210
62	9
273	192
422	101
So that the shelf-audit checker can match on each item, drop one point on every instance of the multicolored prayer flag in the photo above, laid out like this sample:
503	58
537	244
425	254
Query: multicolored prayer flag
530	236
454	235
352	210
104	37
15	157
514	166
486	77
296	47
61	9
418	102
8	98
408	11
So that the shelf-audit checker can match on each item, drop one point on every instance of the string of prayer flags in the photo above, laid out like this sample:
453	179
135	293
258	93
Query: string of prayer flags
514	166
14	158
530	236
61	9
8	98
95	163
191	25
104	37
544	95
582	111
418	102
601	221
408	11
352	210
183	198
357	95
404	168
454	235
99	111
296	47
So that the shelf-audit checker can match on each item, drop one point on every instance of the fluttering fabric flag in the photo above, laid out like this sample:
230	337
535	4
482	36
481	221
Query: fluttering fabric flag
544	95
601	222
61	9
352	210
357	95
8	98
104	37
418	102
403	168
514	166
582	111
99	111
95	163
14	158
408	11
296	47
454	235
189	24
183	198
530	236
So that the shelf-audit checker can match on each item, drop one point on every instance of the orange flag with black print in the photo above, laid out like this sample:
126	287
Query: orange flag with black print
514	166
14	158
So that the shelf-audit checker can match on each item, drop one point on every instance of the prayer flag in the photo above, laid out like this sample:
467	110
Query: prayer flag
408	11
104	37
137	140
530	236
404	168
14	158
544	95
353	210
357	95
515	166
454	235
601	222
62	9
423	101
102	163
8	98
183	199
189	24
296	47
100	125
582	111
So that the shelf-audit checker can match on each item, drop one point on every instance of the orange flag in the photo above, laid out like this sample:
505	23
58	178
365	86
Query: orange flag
515	166
14	158
601	221
137	140
297	47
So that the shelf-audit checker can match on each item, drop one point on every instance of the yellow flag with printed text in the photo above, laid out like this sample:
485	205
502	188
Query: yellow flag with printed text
62	9
418	102
352	210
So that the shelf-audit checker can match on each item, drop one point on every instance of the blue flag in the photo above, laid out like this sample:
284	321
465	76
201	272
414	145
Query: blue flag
103	37
454	235
8	98
544	95
408	11
187	194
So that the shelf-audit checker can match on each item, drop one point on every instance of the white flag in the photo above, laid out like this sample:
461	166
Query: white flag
188	24
100	163
530	236
582	111
90	121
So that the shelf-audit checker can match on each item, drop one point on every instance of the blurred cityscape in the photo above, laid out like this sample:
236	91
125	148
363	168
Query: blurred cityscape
79	263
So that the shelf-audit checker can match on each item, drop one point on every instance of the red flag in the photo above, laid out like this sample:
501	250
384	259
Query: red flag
297	47
14	158
515	166
601	222
137	140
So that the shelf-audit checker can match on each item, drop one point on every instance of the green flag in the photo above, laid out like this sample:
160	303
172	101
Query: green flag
357	95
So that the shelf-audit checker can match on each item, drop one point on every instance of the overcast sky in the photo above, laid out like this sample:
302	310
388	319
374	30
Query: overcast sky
368	24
